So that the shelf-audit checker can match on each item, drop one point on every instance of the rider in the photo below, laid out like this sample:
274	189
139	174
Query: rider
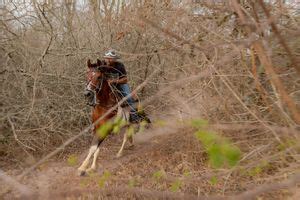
119	79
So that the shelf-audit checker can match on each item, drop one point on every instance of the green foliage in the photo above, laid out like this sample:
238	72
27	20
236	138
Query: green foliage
116	130
104	129
140	110
207	138
199	123
287	144
142	126
132	183
232	154
216	158
159	123
158	175
213	180
118	124
220	151
257	170
84	182
114	126
186	173
72	160
130	131
175	186
103	179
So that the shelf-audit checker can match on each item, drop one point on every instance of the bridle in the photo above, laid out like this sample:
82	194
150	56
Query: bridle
98	87
95	91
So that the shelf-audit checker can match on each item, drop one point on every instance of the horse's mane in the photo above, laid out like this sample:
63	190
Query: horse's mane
99	66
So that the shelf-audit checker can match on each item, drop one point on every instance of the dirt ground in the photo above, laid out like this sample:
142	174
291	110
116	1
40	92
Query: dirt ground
170	164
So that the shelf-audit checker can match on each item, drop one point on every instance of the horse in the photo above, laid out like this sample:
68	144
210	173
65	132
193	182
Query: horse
102	97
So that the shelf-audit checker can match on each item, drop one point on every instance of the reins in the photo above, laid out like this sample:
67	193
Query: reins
98	87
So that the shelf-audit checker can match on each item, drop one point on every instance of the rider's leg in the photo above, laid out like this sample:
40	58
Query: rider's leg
125	91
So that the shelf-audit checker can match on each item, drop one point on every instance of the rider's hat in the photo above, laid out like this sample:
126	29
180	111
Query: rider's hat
111	54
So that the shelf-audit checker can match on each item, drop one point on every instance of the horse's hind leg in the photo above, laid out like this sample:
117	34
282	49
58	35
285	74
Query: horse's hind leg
119	154
131	142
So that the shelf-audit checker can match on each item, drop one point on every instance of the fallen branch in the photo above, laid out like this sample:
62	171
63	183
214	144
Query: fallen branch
266	188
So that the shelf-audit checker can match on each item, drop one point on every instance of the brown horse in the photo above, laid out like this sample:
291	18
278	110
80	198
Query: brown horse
101	96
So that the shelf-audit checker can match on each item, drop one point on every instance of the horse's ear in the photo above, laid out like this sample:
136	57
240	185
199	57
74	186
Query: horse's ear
99	62
89	64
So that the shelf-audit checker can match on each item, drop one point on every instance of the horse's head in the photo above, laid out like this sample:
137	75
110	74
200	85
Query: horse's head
95	79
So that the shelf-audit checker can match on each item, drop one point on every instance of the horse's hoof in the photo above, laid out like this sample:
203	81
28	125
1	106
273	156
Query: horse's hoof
81	172
131	147
119	155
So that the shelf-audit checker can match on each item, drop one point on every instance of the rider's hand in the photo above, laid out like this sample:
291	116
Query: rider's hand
111	81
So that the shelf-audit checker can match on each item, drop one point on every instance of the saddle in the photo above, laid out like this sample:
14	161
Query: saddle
134	118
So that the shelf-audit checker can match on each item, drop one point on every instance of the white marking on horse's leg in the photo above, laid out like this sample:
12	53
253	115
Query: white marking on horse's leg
94	163
86	161
119	154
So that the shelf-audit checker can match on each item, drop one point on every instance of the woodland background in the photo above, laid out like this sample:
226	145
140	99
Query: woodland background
234	64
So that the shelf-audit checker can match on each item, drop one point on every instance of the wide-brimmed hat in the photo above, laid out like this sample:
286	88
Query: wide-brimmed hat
111	54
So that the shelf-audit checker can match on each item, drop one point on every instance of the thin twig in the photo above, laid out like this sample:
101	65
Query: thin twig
16	136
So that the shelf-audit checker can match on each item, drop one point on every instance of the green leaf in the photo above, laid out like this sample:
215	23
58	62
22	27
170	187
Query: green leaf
123	122
232	154
103	179
255	171
208	138
186	173
106	174
199	123
116	129
213	180
159	123
219	149
132	183
130	131
142	126
158	175
84	182
117	120
72	160
175	186
104	129
216	158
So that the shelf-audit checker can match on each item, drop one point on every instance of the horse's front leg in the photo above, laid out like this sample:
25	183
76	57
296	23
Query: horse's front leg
93	149
94	163
83	166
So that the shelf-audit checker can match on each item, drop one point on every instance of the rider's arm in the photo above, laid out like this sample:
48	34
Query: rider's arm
120	68
121	80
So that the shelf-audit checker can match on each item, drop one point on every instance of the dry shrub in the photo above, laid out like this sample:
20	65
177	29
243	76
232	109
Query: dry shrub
44	49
